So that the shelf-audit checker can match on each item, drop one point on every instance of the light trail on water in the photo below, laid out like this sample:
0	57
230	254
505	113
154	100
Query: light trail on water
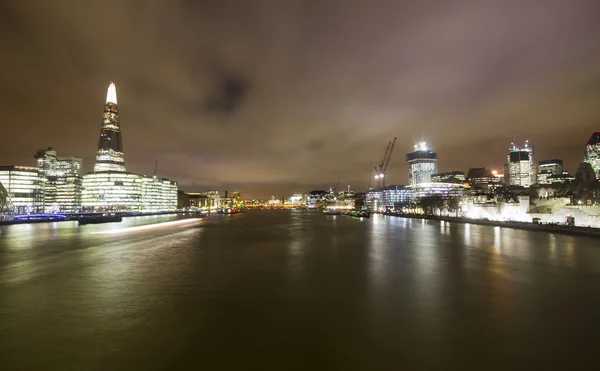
148	226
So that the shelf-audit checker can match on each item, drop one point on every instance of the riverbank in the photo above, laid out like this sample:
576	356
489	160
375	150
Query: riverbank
552	228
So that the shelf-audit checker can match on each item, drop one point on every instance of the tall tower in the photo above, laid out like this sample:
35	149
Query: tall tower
422	164
521	165
110	148
592	152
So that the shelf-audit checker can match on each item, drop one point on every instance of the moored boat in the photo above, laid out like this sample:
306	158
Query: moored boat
97	219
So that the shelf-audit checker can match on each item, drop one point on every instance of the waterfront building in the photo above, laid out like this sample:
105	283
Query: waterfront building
448	177
592	153
442	190
109	156
194	200
315	198
547	168
7	209
63	183
520	166
422	164
296	199
25	187
481	176
124	191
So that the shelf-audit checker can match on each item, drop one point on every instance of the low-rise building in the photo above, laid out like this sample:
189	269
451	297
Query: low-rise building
25	186
124	191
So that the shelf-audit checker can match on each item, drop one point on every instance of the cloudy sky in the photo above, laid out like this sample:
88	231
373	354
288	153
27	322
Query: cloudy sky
273	97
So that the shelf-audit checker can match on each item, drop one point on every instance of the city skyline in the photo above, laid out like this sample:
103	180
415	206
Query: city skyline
279	112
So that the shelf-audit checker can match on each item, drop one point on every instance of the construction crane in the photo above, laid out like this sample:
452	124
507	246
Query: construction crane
381	169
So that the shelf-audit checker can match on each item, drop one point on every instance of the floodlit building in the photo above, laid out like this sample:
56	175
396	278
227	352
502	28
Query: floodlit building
123	191
448	177
520	166
422	164
592	152
25	187
442	190
547	168
63	183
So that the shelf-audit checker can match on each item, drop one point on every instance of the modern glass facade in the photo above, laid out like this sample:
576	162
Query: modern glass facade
548	168
521	166
422	164
449	177
122	191
63	185
25	185
592	152
110	147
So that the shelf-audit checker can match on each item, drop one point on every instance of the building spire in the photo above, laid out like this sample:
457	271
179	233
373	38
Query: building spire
111	95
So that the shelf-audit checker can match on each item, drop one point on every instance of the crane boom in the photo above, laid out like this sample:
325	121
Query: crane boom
389	155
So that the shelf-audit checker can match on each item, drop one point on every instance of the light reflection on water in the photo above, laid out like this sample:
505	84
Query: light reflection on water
341	292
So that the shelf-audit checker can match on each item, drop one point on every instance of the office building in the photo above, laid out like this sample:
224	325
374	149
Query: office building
109	156
547	168
521	167
123	191
422	164
448	177
63	183
7	209
25	187
592	153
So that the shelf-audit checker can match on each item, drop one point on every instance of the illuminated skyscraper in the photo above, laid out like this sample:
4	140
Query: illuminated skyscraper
548	168
520	167
110	148
592	152
422	164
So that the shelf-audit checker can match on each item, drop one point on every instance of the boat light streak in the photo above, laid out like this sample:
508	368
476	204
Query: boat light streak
148	226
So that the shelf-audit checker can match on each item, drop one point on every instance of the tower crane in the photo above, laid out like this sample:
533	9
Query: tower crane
381	169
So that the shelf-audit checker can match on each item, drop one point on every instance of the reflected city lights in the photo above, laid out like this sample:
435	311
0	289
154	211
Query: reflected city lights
148	226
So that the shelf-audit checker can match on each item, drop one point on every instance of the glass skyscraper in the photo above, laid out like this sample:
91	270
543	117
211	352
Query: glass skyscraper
592	152
110	147
109	186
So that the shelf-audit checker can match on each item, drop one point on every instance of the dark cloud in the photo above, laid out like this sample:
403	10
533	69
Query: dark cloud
283	96
228	94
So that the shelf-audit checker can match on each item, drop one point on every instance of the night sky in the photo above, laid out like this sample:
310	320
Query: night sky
275	97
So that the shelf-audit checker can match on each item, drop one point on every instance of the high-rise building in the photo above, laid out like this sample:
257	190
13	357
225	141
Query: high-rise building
520	166
422	164
63	183
547	168
110	187
25	185
46	161
592	152
110	147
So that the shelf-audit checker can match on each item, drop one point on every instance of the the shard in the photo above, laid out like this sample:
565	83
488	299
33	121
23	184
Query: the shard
110	147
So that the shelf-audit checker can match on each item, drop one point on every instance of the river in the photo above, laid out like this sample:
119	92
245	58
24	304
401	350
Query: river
296	290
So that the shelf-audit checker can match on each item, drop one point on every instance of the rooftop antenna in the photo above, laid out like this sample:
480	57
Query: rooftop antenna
155	167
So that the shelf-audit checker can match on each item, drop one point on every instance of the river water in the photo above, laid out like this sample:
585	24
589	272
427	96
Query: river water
296	290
